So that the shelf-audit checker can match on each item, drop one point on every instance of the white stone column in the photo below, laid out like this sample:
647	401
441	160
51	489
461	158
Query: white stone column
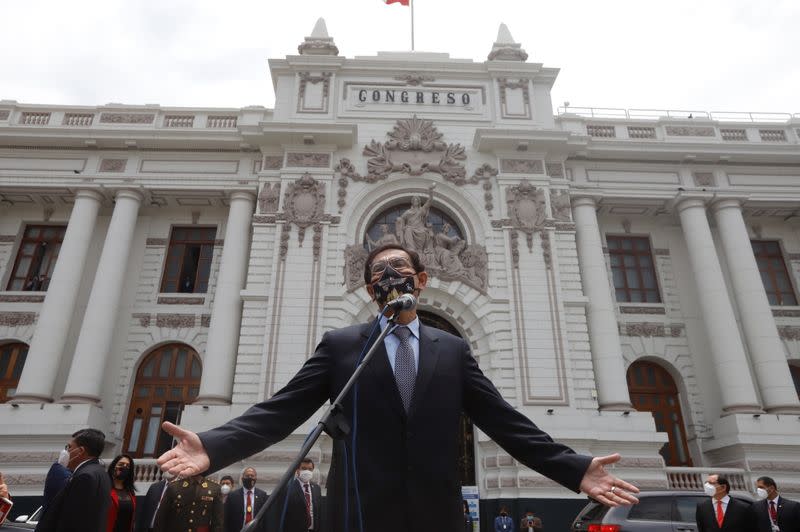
52	327
727	352
219	363
761	334
86	375
609	366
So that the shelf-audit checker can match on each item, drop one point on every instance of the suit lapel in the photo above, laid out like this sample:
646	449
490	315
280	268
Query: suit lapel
383	375
428	357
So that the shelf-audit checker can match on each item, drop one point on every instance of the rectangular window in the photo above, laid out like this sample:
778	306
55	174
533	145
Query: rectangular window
773	272
36	258
188	261
633	269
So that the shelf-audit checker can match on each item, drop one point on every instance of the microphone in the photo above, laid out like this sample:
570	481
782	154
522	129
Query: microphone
404	302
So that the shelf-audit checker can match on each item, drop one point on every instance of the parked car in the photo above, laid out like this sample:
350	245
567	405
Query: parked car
662	511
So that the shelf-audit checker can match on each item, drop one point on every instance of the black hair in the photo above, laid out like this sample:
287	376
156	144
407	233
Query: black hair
93	440
723	481
307	460
416	262
128	483
768	482
226	477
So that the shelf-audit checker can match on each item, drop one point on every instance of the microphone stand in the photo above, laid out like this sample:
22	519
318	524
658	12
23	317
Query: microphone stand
334	422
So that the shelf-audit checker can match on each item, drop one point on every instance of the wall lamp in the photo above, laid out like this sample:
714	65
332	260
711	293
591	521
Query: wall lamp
756	416
550	411
626	413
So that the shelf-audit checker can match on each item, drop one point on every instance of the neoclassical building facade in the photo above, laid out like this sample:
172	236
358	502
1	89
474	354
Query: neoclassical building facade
628	280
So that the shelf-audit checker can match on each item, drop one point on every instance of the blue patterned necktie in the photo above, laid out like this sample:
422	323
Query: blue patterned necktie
405	370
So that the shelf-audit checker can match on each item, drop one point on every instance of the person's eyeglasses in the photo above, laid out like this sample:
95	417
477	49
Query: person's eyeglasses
398	263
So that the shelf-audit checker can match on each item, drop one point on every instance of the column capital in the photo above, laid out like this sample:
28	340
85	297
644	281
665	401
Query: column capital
130	193
585	199
721	202
89	193
688	201
242	195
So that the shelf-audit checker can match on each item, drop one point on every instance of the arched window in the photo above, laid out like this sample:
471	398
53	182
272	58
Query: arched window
167	380
12	359
653	390
383	226
466	439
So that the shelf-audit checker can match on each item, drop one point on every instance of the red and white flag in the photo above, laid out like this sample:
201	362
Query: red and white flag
401	2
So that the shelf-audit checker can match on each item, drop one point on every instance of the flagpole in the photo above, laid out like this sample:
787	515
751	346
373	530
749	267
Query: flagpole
412	24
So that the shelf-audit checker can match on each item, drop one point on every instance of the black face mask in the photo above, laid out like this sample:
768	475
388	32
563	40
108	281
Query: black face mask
248	483
122	474
391	285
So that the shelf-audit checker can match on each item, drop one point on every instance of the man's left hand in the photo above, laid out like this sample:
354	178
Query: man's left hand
604	487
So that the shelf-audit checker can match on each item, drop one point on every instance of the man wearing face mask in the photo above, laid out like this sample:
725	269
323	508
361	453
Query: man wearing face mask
304	505
56	479
147	510
225	486
82	505
721	511
503	523
774	513
400	460
243	504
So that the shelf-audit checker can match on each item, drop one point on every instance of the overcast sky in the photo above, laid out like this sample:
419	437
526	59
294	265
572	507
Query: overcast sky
715	55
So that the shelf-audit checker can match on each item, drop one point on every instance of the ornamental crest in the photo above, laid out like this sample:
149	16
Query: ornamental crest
304	204
414	148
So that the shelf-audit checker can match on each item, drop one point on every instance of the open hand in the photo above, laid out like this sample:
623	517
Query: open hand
3	488
604	487
186	459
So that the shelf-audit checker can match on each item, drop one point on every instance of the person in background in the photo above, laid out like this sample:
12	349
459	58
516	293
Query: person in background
146	511
5	500
503	523
721	511
57	477
225	486
304	505
190	504
123	495
530	523
467	518
82	506
773	509
242	505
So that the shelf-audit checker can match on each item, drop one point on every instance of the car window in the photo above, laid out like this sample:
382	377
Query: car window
594	511
686	506
652	509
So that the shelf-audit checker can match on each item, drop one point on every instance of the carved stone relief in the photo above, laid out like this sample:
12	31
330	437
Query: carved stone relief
126	118
269	198
175	321
21	299
526	207
651	330
415	78
686	131
445	254
113	165
559	204
555	170
17	319
144	319
704	179
504	84
4	115
304	204
308	160
306	77
272	162
521	166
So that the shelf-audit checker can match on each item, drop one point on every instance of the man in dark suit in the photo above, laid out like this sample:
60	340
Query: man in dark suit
774	510
304	510
401	473
242	505
721	511
82	505
146	511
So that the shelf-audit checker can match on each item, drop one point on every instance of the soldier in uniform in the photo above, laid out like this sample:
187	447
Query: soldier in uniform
190	505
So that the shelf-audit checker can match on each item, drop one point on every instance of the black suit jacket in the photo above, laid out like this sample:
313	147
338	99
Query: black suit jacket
296	518
788	515
146	510
406	463
738	517
234	508
82	505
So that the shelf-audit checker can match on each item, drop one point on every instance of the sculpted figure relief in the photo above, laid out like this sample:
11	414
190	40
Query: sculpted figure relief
445	253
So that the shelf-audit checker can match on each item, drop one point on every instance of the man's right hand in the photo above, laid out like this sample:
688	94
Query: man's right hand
186	459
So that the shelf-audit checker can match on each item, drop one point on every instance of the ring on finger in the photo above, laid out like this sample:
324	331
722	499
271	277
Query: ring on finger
613	489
